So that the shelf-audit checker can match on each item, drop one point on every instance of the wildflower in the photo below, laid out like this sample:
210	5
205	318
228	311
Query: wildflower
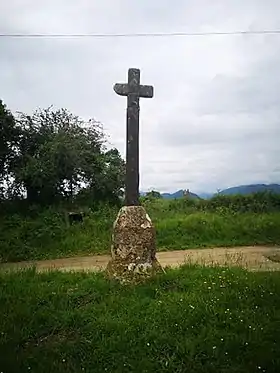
192	306
222	339
63	360
148	344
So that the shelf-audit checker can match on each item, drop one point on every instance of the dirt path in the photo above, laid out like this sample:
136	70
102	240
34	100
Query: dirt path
252	257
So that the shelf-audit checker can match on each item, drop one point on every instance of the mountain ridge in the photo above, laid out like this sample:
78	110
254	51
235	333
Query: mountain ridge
240	189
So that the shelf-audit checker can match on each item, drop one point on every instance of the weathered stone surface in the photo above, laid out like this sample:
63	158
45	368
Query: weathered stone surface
133	246
133	90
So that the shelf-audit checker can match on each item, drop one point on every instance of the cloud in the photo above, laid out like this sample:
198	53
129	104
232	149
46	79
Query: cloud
214	119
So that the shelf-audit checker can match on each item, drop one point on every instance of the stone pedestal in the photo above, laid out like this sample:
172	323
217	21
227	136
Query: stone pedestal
133	246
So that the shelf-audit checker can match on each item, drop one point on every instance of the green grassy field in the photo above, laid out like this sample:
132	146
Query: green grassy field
179	225
193	319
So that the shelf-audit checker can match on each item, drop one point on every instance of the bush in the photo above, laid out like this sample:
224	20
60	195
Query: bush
180	224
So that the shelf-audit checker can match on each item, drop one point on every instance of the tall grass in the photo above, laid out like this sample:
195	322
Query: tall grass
180	224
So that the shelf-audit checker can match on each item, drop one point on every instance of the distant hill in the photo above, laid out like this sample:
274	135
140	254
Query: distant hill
206	195
249	189
178	194
241	189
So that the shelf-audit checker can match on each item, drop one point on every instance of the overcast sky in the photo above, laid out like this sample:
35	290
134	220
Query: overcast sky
214	121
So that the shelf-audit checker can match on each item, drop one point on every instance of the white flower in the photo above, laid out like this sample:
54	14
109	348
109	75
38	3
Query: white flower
192	306
214	347
148	344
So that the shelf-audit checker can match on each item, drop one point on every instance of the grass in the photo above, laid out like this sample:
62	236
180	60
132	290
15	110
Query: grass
192	319
45	235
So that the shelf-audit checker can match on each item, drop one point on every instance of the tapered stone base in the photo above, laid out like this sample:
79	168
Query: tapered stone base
133	246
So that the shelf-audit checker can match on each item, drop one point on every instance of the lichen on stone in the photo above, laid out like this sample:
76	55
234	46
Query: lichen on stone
133	246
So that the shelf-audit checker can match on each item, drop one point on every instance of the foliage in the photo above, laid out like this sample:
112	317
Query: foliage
43	233
193	319
255	202
55	155
151	195
261	202
8	136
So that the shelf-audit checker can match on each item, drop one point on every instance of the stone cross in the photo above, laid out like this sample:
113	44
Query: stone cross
133	90
134	237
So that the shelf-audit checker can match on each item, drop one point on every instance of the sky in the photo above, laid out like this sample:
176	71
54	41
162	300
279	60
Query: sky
214	120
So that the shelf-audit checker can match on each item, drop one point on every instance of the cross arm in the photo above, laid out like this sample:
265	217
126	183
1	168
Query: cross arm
145	91
121	89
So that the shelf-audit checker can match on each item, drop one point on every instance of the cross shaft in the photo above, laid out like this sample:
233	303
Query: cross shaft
133	90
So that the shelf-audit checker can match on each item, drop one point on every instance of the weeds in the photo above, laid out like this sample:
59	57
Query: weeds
180	224
194	319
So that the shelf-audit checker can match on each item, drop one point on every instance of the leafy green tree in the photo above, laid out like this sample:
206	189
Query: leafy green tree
8	139
153	194
59	154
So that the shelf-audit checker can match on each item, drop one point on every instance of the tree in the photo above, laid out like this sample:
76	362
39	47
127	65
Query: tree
8	138
59	154
153	194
